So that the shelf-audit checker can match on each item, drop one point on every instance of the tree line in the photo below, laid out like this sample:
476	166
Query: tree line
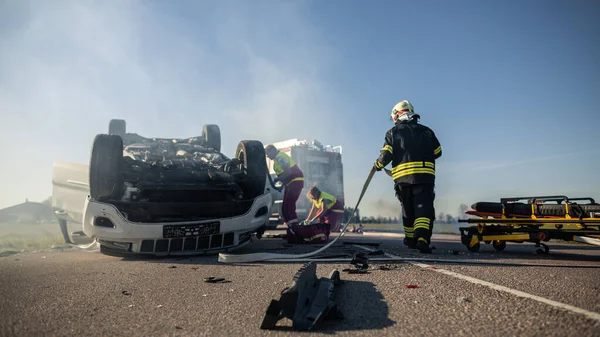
441	218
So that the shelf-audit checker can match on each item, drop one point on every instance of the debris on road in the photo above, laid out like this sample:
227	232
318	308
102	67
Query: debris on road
213	279
361	263
172	267
388	267
411	286
360	260
126	293
463	299
307	302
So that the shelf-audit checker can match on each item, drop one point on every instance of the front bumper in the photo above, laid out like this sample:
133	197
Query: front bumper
147	238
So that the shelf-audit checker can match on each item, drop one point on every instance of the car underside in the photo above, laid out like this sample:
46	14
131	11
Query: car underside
168	186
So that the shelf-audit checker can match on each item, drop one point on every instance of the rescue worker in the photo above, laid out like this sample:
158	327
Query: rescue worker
328	209
292	178
412	148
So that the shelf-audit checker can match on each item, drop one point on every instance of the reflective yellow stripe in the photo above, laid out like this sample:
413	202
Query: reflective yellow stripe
337	211
407	165
388	148
315	237
378	165
438	150
422	170
412	164
422	226
422	219
296	179
408	234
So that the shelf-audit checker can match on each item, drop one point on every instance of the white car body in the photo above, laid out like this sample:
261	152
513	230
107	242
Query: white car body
134	237
71	202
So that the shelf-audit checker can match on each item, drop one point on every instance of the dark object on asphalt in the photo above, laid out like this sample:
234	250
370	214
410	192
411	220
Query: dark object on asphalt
360	261
355	271
361	264
125	292
260	231
411	286
172	267
307	303
213	279
362	243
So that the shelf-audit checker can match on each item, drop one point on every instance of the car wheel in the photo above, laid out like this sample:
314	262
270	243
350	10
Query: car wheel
106	178
252	155
117	127
212	136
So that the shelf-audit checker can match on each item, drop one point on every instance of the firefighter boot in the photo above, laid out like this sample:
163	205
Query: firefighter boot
410	242
423	246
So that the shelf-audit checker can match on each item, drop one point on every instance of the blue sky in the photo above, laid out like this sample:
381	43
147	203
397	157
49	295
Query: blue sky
509	87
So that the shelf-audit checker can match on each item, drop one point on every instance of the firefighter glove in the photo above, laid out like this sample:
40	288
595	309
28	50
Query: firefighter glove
377	166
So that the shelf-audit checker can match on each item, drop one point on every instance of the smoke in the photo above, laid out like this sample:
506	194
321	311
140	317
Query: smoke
386	208
67	68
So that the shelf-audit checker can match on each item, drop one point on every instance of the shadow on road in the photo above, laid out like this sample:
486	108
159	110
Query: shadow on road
362	305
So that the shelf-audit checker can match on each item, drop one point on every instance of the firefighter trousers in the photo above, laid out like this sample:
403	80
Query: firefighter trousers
418	212
290	197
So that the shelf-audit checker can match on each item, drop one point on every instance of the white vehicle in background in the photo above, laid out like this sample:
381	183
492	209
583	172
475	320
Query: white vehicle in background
164	196
319	164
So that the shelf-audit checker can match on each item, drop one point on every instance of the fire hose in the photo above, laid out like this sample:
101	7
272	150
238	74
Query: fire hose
255	257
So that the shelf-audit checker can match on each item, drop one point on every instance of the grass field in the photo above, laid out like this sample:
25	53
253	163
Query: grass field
19	236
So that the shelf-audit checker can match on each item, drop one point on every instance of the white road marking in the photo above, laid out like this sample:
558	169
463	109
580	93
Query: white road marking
592	315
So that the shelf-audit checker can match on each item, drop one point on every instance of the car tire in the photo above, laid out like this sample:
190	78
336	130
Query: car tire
106	160
117	127
252	155
212	136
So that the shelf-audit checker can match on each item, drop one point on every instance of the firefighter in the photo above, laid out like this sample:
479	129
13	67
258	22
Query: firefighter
412	148
292	178
327	208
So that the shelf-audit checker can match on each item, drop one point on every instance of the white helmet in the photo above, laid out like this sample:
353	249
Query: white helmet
403	111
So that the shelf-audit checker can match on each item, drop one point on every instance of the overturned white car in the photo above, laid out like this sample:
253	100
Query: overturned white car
166	196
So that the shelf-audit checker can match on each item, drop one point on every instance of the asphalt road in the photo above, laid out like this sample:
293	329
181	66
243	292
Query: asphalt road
73	293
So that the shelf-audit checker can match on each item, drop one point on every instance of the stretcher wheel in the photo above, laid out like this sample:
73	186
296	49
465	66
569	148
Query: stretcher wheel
544	250
475	248
499	245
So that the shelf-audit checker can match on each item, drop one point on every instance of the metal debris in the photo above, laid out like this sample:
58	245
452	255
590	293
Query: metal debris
213	279
307	302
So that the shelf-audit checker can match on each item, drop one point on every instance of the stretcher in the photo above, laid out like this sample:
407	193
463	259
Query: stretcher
532	219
